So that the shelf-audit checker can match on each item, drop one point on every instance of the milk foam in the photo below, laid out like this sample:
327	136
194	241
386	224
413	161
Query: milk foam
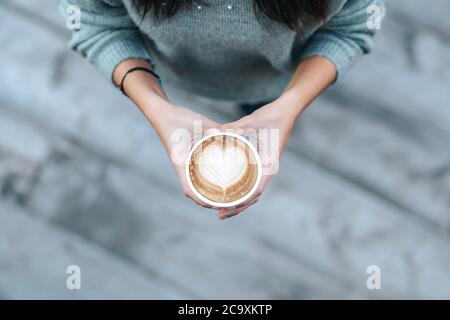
222	166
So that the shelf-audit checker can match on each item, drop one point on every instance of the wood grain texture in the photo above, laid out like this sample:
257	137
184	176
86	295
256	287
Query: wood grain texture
35	256
364	180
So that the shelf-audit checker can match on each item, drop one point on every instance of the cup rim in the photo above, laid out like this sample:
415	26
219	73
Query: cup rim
236	202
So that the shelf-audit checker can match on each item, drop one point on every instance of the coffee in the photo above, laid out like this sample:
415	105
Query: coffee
224	168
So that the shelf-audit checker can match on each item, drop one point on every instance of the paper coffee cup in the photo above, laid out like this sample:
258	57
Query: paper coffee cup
219	171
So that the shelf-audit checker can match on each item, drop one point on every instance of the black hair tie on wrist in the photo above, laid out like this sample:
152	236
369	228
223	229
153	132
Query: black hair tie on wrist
137	69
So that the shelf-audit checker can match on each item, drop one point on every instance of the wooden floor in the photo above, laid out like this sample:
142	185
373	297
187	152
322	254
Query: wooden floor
365	179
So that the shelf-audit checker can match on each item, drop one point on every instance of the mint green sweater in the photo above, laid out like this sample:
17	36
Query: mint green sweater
220	50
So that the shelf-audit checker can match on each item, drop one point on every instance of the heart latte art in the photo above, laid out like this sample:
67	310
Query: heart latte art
223	169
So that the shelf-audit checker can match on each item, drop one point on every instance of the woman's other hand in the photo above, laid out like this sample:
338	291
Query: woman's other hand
271	125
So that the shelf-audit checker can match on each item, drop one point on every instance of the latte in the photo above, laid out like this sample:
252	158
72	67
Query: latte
224	169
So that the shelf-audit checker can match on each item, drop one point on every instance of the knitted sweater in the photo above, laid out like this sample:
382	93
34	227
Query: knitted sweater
219	50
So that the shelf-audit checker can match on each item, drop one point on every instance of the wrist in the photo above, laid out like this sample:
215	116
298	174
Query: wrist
291	104
146	93
155	107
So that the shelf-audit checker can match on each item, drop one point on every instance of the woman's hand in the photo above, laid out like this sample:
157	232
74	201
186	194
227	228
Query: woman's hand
174	124
272	124
312	76
175	127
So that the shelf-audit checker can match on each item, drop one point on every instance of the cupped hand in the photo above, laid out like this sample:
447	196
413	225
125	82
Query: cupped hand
176	128
270	127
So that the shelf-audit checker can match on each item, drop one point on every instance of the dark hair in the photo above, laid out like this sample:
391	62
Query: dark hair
292	13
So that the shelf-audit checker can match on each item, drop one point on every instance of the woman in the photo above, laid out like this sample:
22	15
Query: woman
284	52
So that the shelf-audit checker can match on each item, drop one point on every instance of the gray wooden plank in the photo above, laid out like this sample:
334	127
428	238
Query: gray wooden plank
346	228
435	16
22	140
377	158
404	83
4	297
44	13
34	257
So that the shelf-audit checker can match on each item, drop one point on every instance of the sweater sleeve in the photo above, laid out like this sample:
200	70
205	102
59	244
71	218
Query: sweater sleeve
345	36
107	34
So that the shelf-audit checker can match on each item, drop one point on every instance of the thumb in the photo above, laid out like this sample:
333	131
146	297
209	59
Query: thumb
240	123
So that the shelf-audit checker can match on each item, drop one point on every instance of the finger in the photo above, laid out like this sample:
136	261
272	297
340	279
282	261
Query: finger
231	213
256	197
249	202
196	200
223	213
227	211
201	204
234	212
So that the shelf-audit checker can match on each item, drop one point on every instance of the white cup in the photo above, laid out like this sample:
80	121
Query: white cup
218	205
